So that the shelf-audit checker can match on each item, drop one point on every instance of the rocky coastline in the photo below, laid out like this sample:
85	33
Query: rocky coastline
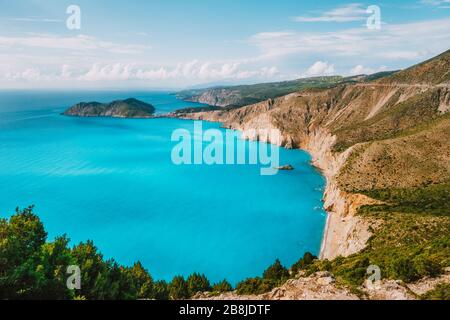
345	233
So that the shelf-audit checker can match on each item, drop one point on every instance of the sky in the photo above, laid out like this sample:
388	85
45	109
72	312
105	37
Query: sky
156	44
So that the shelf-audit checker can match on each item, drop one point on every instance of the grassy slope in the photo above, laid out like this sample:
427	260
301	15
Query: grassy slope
433	71
394	119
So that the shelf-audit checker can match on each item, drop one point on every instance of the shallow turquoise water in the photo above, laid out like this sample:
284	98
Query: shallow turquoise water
113	181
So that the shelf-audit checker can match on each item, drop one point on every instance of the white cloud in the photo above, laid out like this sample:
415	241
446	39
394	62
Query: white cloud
320	68
46	20
396	41
115	72
75	43
84	60
347	13
192	70
445	4
360	69
66	71
29	75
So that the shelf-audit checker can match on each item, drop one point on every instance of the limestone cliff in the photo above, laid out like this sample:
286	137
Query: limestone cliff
383	140
362	136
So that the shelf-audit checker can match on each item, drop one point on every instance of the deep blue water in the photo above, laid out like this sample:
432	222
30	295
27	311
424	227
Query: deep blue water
113	181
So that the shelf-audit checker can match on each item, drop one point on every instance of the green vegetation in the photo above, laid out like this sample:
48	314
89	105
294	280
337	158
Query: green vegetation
411	241
198	283
129	108
431	200
398	120
441	292
432	71
243	95
222	287
274	276
254	286
303	263
196	109
178	288
249	94
405	247
32	268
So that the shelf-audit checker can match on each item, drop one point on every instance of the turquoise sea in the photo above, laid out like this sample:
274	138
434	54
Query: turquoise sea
113	181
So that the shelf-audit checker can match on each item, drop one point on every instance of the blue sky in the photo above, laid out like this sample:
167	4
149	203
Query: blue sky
176	44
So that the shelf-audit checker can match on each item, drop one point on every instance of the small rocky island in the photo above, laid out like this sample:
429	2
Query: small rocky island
286	168
129	108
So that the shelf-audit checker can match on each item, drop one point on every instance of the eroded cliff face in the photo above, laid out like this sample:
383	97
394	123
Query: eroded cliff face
345	233
363	137
355	116
299	119
218	98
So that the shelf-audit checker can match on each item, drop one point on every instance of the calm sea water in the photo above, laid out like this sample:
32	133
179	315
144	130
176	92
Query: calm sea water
113	181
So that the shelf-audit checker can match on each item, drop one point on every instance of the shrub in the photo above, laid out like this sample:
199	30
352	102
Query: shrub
405	270
142	281
161	290
441	292
223	286
198	283
276	273
254	286
178	288
427	267
303	263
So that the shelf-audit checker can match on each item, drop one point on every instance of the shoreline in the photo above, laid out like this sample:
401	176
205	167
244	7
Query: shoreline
337	229
325	236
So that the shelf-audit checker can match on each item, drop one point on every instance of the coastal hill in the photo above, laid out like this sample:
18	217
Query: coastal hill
384	148
238	96
129	108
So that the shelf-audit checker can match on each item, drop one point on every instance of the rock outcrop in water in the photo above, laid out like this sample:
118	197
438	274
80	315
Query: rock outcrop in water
129	108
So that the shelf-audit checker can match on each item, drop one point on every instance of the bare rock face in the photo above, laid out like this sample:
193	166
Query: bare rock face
425	285
323	286
218	98
388	290
319	286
